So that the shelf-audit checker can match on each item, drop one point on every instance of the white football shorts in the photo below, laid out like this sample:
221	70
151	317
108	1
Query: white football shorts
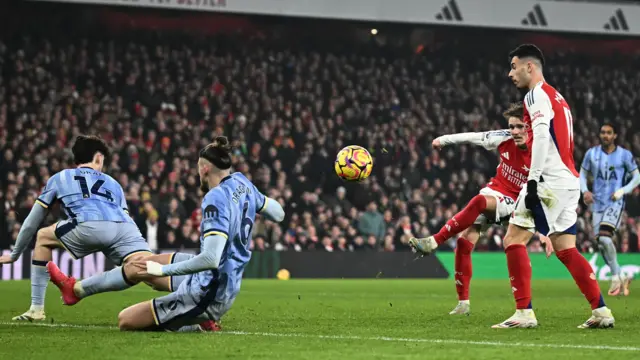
505	205
557	213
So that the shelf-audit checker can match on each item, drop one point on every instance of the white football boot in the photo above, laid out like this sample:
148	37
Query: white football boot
463	308
31	315
423	246
523	318
600	318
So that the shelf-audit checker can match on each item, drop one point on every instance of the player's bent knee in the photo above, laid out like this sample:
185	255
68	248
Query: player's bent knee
46	237
123	321
516	235
606	230
472	234
563	241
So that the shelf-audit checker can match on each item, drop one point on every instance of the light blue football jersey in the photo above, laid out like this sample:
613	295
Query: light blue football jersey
610	173
229	210
86	195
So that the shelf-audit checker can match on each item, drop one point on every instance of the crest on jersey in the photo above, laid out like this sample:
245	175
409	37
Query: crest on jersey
210	212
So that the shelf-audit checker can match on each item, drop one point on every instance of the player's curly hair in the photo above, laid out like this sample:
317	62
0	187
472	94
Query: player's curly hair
86	147
527	51
515	110
218	152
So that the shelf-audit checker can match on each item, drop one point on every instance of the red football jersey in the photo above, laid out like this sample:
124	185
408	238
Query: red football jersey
545	105
513	170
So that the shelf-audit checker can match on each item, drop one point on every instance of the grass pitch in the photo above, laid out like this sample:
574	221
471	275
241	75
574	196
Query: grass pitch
330	319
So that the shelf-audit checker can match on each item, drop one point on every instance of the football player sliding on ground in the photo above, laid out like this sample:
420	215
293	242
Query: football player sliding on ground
493	205
202	287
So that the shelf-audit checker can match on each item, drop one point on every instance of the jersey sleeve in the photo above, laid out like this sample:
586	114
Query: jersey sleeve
539	107
586	162
49	194
629	162
215	215
260	199
492	139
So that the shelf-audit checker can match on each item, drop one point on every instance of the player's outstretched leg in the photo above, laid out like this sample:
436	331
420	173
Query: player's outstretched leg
464	270
459	222
582	273
619	281
45	242
144	317
520	275
116	279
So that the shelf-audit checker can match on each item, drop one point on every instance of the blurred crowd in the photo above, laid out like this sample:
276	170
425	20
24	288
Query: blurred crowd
288	106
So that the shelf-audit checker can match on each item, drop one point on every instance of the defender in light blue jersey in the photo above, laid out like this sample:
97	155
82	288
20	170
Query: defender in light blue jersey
97	220
610	166
206	285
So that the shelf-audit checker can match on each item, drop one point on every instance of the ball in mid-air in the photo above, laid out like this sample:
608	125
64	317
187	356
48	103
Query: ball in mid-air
354	163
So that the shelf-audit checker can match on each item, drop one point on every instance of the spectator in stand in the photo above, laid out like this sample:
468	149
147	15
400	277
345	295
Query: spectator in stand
289	103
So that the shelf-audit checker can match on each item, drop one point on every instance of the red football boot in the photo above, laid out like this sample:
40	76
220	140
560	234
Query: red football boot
64	283
210	325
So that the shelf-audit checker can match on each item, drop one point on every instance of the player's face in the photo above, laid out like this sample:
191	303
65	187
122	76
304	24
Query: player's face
607	136
518	131
520	72
203	171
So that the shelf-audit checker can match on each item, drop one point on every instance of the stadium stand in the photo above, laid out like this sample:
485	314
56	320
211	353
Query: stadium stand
289	94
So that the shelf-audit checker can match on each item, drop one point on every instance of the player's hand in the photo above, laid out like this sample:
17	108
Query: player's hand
436	144
587	197
6	259
148	268
532	200
548	246
617	195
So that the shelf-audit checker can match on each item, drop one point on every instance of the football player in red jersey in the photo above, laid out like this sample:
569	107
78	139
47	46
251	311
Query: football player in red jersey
493	205
549	201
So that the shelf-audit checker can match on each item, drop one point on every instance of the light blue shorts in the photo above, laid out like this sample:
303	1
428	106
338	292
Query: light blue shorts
187	305
115	240
609	217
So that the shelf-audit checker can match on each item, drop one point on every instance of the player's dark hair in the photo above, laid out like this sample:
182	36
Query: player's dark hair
515	110
218	152
527	51
86	147
611	125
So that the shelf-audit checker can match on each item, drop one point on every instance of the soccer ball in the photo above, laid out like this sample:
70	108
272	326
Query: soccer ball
353	163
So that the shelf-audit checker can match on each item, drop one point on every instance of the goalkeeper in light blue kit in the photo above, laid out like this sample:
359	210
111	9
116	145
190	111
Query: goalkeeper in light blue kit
610	166
206	285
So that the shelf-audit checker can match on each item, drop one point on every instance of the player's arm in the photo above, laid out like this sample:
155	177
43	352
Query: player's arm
585	169
540	110
215	222
268	207
584	187
208	259
489	139
631	166
35	218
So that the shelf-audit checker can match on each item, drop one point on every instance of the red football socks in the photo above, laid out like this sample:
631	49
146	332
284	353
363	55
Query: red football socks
583	275
463	219
520	275
463	268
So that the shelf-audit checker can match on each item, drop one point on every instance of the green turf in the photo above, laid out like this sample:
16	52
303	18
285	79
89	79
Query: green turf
337	319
